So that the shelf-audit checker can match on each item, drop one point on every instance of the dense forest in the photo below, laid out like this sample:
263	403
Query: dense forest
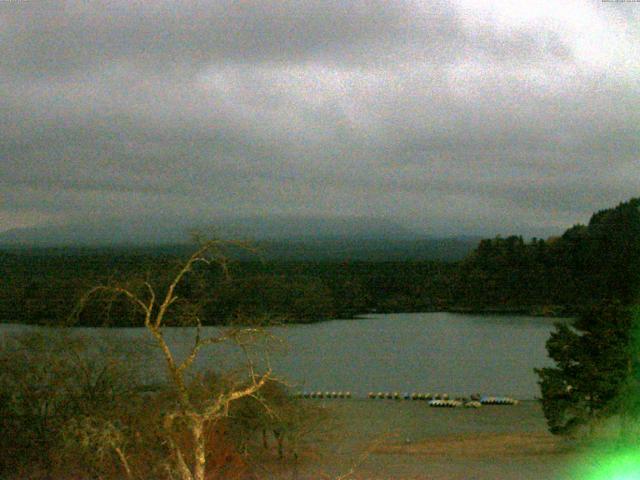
587	264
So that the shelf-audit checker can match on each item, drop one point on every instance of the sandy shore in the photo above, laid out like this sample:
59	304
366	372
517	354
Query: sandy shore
408	440
482	445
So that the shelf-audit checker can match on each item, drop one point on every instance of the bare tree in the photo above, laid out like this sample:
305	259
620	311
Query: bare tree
192	414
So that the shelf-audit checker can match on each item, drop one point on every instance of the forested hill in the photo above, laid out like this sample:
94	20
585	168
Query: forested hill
284	250
587	264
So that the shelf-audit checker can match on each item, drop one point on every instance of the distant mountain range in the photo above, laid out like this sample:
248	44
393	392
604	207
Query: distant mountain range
279	237
157	230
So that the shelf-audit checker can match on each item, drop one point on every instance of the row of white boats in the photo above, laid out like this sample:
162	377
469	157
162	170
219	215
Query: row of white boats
435	400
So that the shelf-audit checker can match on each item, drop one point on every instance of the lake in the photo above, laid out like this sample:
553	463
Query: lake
458	354
418	352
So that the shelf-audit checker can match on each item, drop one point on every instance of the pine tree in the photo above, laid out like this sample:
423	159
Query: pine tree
594	360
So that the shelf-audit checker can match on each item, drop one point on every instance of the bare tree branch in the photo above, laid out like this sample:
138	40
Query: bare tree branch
191	465
198	344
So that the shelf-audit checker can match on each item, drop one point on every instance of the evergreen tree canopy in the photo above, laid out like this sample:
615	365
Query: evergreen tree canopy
588	264
593	361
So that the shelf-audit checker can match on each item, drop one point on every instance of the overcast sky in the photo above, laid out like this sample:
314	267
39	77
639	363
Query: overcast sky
477	117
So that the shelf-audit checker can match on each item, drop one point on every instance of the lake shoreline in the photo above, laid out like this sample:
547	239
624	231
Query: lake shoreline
412	441
541	311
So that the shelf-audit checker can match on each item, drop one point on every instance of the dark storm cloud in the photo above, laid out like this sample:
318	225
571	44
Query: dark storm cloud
372	108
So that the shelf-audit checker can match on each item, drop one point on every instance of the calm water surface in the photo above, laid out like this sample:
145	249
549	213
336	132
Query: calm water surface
418	352
425	352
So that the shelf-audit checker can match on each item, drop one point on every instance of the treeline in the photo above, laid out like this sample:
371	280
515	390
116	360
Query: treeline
44	289
314	291
587	264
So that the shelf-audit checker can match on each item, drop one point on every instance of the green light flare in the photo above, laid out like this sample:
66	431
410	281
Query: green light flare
623	464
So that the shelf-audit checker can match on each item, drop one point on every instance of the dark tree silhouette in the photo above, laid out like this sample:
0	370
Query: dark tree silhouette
594	362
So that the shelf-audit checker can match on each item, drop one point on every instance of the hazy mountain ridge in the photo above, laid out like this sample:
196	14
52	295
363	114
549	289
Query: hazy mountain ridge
156	230
288	238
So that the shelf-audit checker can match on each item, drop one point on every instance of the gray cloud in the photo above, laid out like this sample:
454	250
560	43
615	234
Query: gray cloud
60	39
451	117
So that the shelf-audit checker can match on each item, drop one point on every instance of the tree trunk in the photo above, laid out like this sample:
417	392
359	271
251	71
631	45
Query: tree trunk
294	472
592	420
183	469
280	438
199	450
124	461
